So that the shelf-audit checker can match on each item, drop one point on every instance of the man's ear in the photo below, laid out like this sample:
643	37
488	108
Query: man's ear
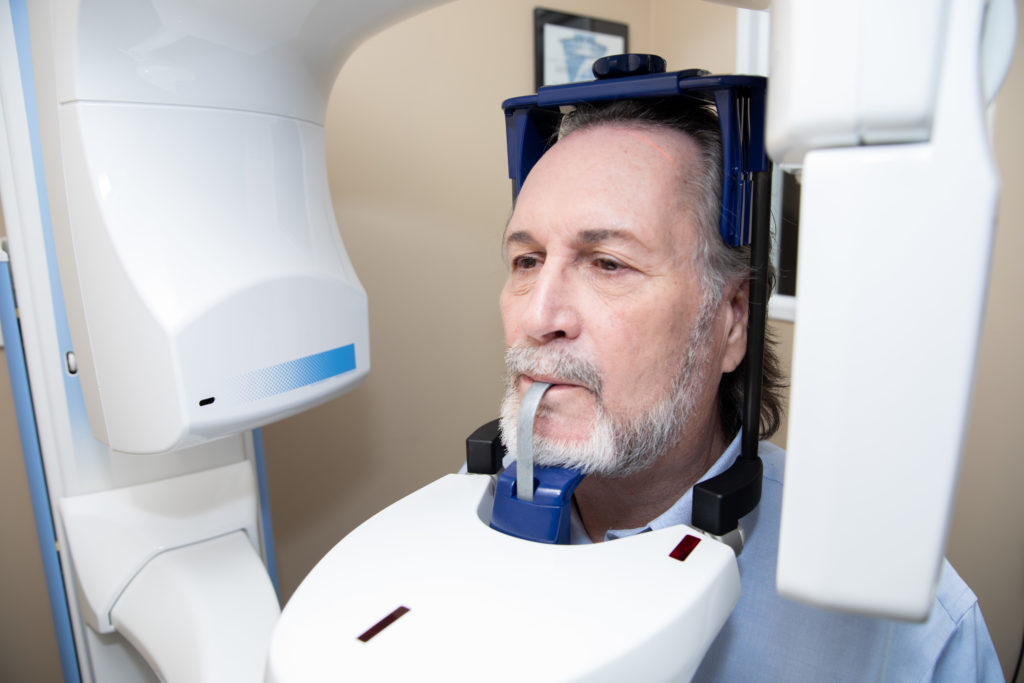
735	308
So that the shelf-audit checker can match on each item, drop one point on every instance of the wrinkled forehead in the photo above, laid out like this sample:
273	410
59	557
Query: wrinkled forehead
661	148
641	175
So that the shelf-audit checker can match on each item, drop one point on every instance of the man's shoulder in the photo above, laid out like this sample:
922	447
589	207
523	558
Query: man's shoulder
774	459
953	597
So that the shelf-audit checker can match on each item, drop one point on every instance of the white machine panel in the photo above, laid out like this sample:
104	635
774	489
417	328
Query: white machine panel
895	243
113	534
261	55
209	307
848	73
472	603
208	290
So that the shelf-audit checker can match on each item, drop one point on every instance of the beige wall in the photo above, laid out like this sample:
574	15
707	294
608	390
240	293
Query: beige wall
416	156
28	649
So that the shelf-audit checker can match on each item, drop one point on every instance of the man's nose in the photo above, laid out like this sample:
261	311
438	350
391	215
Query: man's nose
551	310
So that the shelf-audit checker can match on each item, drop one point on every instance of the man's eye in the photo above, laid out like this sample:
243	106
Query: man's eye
608	264
524	262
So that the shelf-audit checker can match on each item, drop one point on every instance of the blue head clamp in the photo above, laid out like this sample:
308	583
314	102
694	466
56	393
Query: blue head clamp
531	125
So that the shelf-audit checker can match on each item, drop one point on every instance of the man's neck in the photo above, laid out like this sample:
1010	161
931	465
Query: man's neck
629	502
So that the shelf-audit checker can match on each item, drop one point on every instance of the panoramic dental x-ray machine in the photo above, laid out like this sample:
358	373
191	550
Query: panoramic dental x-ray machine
431	559
173	278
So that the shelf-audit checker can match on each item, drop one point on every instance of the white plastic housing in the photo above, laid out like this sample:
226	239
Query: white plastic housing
207	286
484	605
895	243
203	613
114	534
210	273
849	73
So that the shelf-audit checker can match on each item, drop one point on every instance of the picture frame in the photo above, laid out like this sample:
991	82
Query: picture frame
566	45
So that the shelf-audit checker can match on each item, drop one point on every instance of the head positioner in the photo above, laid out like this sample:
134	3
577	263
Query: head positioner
531	126
532	121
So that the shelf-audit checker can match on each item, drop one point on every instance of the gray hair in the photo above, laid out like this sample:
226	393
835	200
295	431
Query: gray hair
718	263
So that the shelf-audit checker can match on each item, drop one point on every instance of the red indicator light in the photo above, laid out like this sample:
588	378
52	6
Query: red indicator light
383	624
685	547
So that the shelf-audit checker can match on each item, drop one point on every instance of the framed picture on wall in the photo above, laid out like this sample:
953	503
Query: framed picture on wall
566	45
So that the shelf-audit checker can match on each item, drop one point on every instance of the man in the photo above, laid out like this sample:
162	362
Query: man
622	296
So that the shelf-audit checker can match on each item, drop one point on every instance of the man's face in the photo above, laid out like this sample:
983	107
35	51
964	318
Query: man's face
603	298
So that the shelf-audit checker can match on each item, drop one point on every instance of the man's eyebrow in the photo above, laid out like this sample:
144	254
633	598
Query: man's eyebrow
519	237
585	237
605	235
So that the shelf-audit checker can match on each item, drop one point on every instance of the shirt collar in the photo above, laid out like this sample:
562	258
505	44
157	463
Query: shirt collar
681	511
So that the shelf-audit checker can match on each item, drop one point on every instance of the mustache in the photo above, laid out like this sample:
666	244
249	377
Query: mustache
554	363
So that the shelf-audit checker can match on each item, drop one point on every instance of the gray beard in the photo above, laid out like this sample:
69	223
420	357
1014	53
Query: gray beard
616	447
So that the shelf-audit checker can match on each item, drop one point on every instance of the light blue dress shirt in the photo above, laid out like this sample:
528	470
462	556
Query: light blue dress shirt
770	638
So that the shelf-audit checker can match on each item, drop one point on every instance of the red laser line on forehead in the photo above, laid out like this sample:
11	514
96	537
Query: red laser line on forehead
650	143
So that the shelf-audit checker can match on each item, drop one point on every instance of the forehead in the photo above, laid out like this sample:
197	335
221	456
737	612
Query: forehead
639	178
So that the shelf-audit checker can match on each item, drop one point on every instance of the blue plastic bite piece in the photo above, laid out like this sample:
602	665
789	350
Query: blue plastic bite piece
546	519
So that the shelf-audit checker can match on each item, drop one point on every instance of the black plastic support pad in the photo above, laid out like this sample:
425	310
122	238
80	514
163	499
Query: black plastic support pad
720	502
485	450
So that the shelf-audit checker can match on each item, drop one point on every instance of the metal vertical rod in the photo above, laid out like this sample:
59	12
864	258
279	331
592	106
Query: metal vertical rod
760	249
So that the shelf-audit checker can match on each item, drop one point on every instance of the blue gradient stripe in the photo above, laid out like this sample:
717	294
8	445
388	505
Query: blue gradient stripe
293	374
269	549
